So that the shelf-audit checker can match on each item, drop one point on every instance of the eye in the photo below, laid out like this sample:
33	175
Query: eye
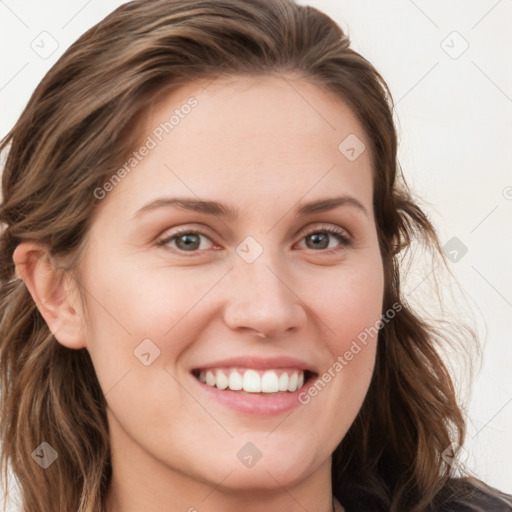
321	237
318	239
186	240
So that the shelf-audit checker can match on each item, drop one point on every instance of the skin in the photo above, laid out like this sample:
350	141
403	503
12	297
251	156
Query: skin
258	146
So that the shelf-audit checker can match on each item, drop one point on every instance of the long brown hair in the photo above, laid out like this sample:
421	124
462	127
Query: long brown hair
71	138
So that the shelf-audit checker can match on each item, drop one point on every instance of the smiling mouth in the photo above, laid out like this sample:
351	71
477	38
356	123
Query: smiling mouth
254	381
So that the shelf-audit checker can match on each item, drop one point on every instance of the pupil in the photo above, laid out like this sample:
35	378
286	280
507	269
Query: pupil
188	240
318	237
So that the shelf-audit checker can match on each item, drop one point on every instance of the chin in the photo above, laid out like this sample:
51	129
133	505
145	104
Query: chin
273	475
273	464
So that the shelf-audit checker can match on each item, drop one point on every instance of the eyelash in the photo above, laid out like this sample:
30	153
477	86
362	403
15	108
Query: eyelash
341	234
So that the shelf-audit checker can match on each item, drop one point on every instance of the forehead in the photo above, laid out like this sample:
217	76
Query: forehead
249	138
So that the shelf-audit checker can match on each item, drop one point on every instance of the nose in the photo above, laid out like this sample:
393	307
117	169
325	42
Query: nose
261	300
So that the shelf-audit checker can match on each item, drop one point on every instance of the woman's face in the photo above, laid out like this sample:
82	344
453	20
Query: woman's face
181	292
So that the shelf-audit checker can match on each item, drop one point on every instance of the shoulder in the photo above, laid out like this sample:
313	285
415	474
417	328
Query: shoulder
472	495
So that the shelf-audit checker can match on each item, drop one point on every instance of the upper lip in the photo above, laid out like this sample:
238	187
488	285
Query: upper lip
259	363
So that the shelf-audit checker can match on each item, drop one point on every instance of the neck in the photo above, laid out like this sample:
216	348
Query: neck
122	499
141	482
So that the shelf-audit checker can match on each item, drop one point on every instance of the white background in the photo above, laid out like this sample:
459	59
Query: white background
455	148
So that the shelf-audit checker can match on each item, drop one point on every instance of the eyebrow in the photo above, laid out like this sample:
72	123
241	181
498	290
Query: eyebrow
225	211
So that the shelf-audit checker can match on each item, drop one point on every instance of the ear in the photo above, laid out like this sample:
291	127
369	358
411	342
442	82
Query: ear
54	293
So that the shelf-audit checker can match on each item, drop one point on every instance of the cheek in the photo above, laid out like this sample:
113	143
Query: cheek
127	306
351	312
352	303
137	302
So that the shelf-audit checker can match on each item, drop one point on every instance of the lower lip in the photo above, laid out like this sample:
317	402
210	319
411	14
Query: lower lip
254	403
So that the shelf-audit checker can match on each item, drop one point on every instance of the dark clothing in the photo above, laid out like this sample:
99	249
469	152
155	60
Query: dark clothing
458	495
480	500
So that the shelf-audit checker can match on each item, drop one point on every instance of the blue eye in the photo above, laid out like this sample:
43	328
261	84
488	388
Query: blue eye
320	239
189	240
186	240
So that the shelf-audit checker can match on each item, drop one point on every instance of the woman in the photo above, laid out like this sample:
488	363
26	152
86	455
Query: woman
201	304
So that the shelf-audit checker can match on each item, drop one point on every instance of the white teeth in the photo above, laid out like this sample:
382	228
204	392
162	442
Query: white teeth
300	380
236	382
253	381
210	378
283	382
269	382
292	383
221	381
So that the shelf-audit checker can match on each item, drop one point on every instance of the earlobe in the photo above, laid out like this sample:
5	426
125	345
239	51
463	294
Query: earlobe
53	293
